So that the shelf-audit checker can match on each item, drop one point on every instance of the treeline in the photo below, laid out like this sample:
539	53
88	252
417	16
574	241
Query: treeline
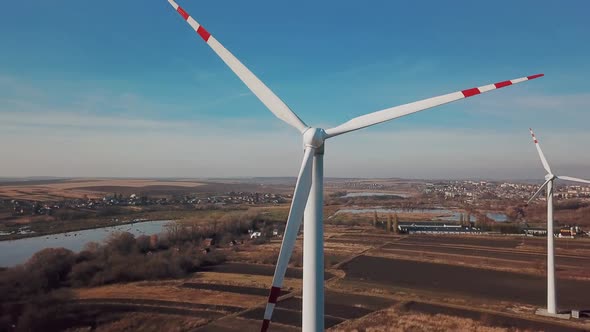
125	258
567	212
487	224
32	292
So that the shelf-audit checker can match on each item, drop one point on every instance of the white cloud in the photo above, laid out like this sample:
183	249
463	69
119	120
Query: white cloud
568	103
81	139
12	120
219	150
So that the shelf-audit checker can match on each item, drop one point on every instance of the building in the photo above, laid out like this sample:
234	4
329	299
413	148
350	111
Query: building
435	228
570	232
535	231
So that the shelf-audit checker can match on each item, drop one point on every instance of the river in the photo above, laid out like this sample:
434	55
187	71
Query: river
16	252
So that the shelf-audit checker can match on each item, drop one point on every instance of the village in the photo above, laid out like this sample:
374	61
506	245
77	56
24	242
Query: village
26	207
470	191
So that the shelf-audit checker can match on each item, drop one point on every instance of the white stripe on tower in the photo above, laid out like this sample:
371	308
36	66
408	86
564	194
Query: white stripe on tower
272	301
268	311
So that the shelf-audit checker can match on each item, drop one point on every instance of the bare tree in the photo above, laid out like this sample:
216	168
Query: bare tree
389	222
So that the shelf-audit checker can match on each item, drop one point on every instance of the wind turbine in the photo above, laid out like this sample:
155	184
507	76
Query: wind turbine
549	178
308	196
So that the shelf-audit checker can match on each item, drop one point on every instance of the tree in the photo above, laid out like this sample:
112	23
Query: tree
374	218
515	213
121	243
143	243
48	268
389	223
174	231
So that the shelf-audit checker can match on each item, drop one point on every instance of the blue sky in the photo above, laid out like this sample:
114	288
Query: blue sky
125	88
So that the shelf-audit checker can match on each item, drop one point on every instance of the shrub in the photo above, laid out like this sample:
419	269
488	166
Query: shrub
213	258
84	272
48	268
143	243
121	243
297	259
26	302
45	313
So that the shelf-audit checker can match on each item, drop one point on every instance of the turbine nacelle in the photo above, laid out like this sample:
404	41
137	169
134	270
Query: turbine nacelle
314	137
550	177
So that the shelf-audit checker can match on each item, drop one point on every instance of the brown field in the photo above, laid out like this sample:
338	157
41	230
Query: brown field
149	322
523	255
455	280
91	188
171	291
414	316
377	282
405	216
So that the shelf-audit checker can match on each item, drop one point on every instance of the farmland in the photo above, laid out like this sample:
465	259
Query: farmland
36	208
79	188
364	287
374	279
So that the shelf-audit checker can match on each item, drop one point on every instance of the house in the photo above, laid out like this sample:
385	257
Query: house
435	227
210	241
570	232
535	231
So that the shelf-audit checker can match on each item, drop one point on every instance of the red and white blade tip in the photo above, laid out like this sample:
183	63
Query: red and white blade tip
265	325
475	91
534	137
186	16
272	301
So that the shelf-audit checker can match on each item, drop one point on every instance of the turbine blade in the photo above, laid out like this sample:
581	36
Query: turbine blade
541	155
399	111
302	189
266	96
569	178
538	191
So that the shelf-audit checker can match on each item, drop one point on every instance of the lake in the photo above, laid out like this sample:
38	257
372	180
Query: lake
497	217
440	214
371	194
15	252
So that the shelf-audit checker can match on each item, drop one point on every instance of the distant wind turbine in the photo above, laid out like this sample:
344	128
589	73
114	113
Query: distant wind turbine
308	196
549	178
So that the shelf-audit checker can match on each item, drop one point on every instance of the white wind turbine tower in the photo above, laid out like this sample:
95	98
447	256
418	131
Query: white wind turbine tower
308	196
549	178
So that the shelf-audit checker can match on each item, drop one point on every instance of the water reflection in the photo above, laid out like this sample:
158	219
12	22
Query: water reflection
438	214
371	194
18	251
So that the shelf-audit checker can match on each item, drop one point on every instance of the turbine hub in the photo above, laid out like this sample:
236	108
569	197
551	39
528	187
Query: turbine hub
550	177
314	137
